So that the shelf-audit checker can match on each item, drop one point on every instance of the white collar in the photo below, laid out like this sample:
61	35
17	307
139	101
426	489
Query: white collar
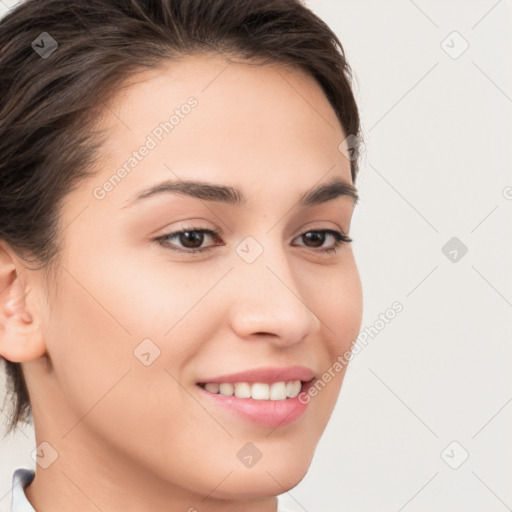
21	478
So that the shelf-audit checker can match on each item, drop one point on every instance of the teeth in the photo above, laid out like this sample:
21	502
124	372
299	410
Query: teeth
212	387
293	388
278	391
242	390
226	389
258	390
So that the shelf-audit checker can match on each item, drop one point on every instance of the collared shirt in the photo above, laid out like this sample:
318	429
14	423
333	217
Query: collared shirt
23	477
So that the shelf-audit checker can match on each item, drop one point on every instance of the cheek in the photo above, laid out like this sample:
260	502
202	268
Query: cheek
338	302
335	296
88	344
104	386
116	325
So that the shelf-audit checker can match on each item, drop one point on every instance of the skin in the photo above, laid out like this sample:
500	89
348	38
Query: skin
131	437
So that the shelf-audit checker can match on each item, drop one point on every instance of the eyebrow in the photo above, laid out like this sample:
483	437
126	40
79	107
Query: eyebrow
231	195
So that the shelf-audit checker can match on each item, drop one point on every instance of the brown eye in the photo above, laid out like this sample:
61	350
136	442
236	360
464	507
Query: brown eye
316	238
191	239
188	240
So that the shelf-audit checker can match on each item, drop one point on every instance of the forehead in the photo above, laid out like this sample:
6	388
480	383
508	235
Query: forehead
247	121
224	81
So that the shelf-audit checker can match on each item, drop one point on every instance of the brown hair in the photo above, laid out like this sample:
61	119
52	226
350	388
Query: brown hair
49	103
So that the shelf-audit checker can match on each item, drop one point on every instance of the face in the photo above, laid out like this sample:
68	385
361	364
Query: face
140	316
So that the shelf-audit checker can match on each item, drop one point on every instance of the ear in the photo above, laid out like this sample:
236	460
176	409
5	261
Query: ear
21	338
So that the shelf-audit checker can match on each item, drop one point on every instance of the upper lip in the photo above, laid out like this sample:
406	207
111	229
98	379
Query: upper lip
265	375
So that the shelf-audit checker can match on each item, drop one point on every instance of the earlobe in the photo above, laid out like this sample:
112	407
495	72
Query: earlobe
21	338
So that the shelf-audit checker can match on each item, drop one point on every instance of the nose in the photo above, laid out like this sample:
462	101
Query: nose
270	301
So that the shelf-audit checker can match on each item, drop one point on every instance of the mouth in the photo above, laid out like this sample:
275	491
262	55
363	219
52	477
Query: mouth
267	404
282	390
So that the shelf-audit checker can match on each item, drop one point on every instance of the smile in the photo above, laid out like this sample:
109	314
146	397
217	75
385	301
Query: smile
257	391
264	404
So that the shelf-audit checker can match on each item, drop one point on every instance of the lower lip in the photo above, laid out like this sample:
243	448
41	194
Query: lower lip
267	413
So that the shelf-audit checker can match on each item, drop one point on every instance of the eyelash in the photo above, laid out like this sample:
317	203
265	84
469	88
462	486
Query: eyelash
339	239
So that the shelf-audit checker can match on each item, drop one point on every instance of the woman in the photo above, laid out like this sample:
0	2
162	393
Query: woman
177	283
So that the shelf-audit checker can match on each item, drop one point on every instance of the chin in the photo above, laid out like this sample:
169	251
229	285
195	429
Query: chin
273	478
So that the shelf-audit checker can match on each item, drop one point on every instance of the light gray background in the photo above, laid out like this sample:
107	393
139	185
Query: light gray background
437	165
